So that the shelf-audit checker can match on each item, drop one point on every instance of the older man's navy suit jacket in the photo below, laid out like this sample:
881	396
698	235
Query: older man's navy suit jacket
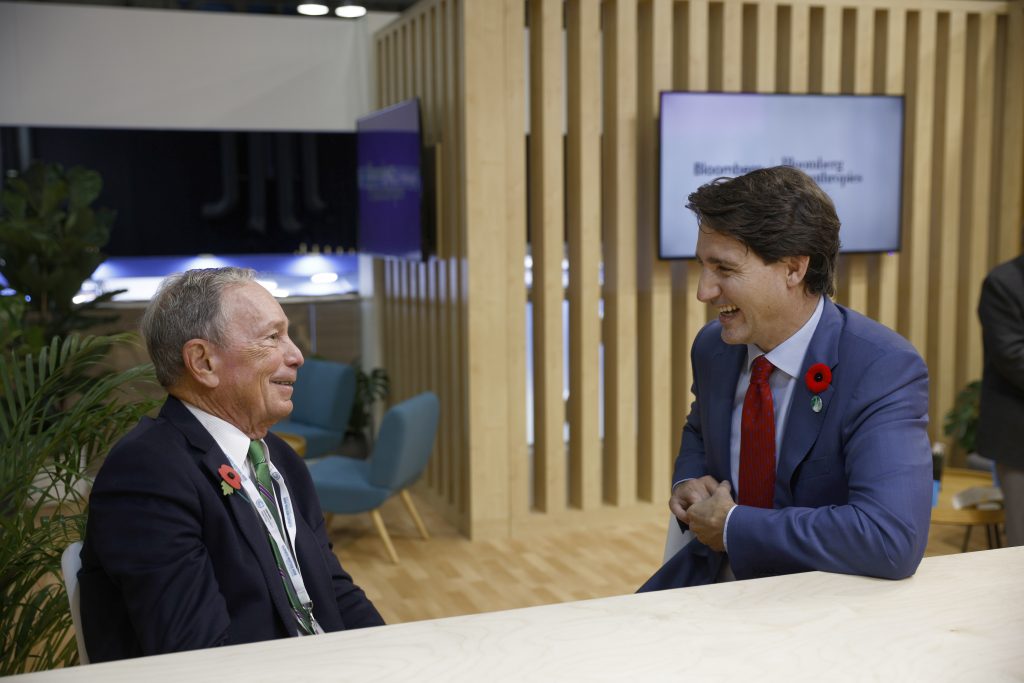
170	563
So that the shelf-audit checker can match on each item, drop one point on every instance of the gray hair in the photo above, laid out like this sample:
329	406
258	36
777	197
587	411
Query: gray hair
186	306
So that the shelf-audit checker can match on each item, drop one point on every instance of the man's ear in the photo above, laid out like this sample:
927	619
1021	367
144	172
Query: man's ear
201	362
796	269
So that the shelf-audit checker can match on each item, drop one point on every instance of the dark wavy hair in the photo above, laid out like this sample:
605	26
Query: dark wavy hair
776	212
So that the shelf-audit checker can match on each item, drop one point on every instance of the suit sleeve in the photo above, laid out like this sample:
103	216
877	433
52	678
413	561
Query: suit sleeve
355	608
145	521
691	462
1001	311
882	529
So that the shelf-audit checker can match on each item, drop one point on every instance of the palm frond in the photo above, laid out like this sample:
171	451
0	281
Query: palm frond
60	412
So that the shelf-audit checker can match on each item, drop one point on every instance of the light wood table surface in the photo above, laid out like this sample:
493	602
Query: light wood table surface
960	618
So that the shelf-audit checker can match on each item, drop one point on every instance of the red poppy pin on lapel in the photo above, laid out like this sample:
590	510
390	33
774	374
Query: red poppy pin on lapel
818	379
232	482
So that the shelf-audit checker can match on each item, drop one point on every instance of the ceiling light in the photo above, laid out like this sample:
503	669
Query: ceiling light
312	9
350	10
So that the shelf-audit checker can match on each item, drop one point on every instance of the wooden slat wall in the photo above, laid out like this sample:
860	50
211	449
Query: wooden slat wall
455	324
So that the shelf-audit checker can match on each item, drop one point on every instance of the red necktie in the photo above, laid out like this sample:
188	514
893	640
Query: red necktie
757	439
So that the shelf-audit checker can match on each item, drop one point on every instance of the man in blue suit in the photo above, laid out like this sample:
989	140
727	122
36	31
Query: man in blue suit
204	529
806	447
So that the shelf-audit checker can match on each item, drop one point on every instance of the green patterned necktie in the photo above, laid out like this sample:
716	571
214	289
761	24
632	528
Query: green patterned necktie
266	490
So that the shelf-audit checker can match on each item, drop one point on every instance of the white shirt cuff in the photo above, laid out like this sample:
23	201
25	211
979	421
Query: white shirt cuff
725	527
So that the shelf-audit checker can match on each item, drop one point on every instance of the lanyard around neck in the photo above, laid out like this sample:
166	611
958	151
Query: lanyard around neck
289	556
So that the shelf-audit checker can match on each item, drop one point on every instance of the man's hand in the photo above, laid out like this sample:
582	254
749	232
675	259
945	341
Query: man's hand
707	517
688	493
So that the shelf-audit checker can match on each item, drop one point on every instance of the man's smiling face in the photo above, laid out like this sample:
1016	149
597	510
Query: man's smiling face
257	362
754	299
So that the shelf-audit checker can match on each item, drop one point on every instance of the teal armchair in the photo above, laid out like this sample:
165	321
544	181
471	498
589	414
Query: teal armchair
404	443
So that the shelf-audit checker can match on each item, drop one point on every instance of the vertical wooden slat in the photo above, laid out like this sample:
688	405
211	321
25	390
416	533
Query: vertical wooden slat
980	174
688	314
767	45
515	250
403	64
393	317
654	276
413	59
921	88
463	469
432	341
546	230
421	55
732	46
447	445
832	52
430	125
419	58
863	68
401	379
895	84
831	82
945	273
583	200
619	169
484	128
697	39
799	50
381	80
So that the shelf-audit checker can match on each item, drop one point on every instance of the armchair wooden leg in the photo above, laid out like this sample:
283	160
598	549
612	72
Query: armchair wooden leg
378	522
407	499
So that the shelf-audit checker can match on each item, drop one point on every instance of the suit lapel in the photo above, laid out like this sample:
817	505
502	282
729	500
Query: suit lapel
211	458
803	424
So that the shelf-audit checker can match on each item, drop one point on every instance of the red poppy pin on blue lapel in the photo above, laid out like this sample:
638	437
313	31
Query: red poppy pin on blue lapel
818	379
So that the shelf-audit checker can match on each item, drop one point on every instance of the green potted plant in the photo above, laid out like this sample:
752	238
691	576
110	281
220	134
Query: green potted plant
50	242
61	406
371	387
60	412
961	421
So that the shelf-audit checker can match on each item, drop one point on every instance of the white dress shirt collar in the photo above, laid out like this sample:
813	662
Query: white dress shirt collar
232	440
789	355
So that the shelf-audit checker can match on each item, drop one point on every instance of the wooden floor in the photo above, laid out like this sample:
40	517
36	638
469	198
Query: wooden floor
449	575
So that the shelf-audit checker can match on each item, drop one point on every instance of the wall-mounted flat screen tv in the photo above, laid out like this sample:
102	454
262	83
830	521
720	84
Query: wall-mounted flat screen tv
187	192
852	145
394	188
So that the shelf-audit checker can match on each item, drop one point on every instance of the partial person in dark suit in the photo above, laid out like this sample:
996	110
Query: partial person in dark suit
204	528
806	446
1001	414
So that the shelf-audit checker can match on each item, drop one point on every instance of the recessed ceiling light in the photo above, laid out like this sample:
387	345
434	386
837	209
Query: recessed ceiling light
347	11
312	9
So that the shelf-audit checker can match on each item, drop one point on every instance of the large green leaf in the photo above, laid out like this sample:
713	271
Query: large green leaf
84	187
